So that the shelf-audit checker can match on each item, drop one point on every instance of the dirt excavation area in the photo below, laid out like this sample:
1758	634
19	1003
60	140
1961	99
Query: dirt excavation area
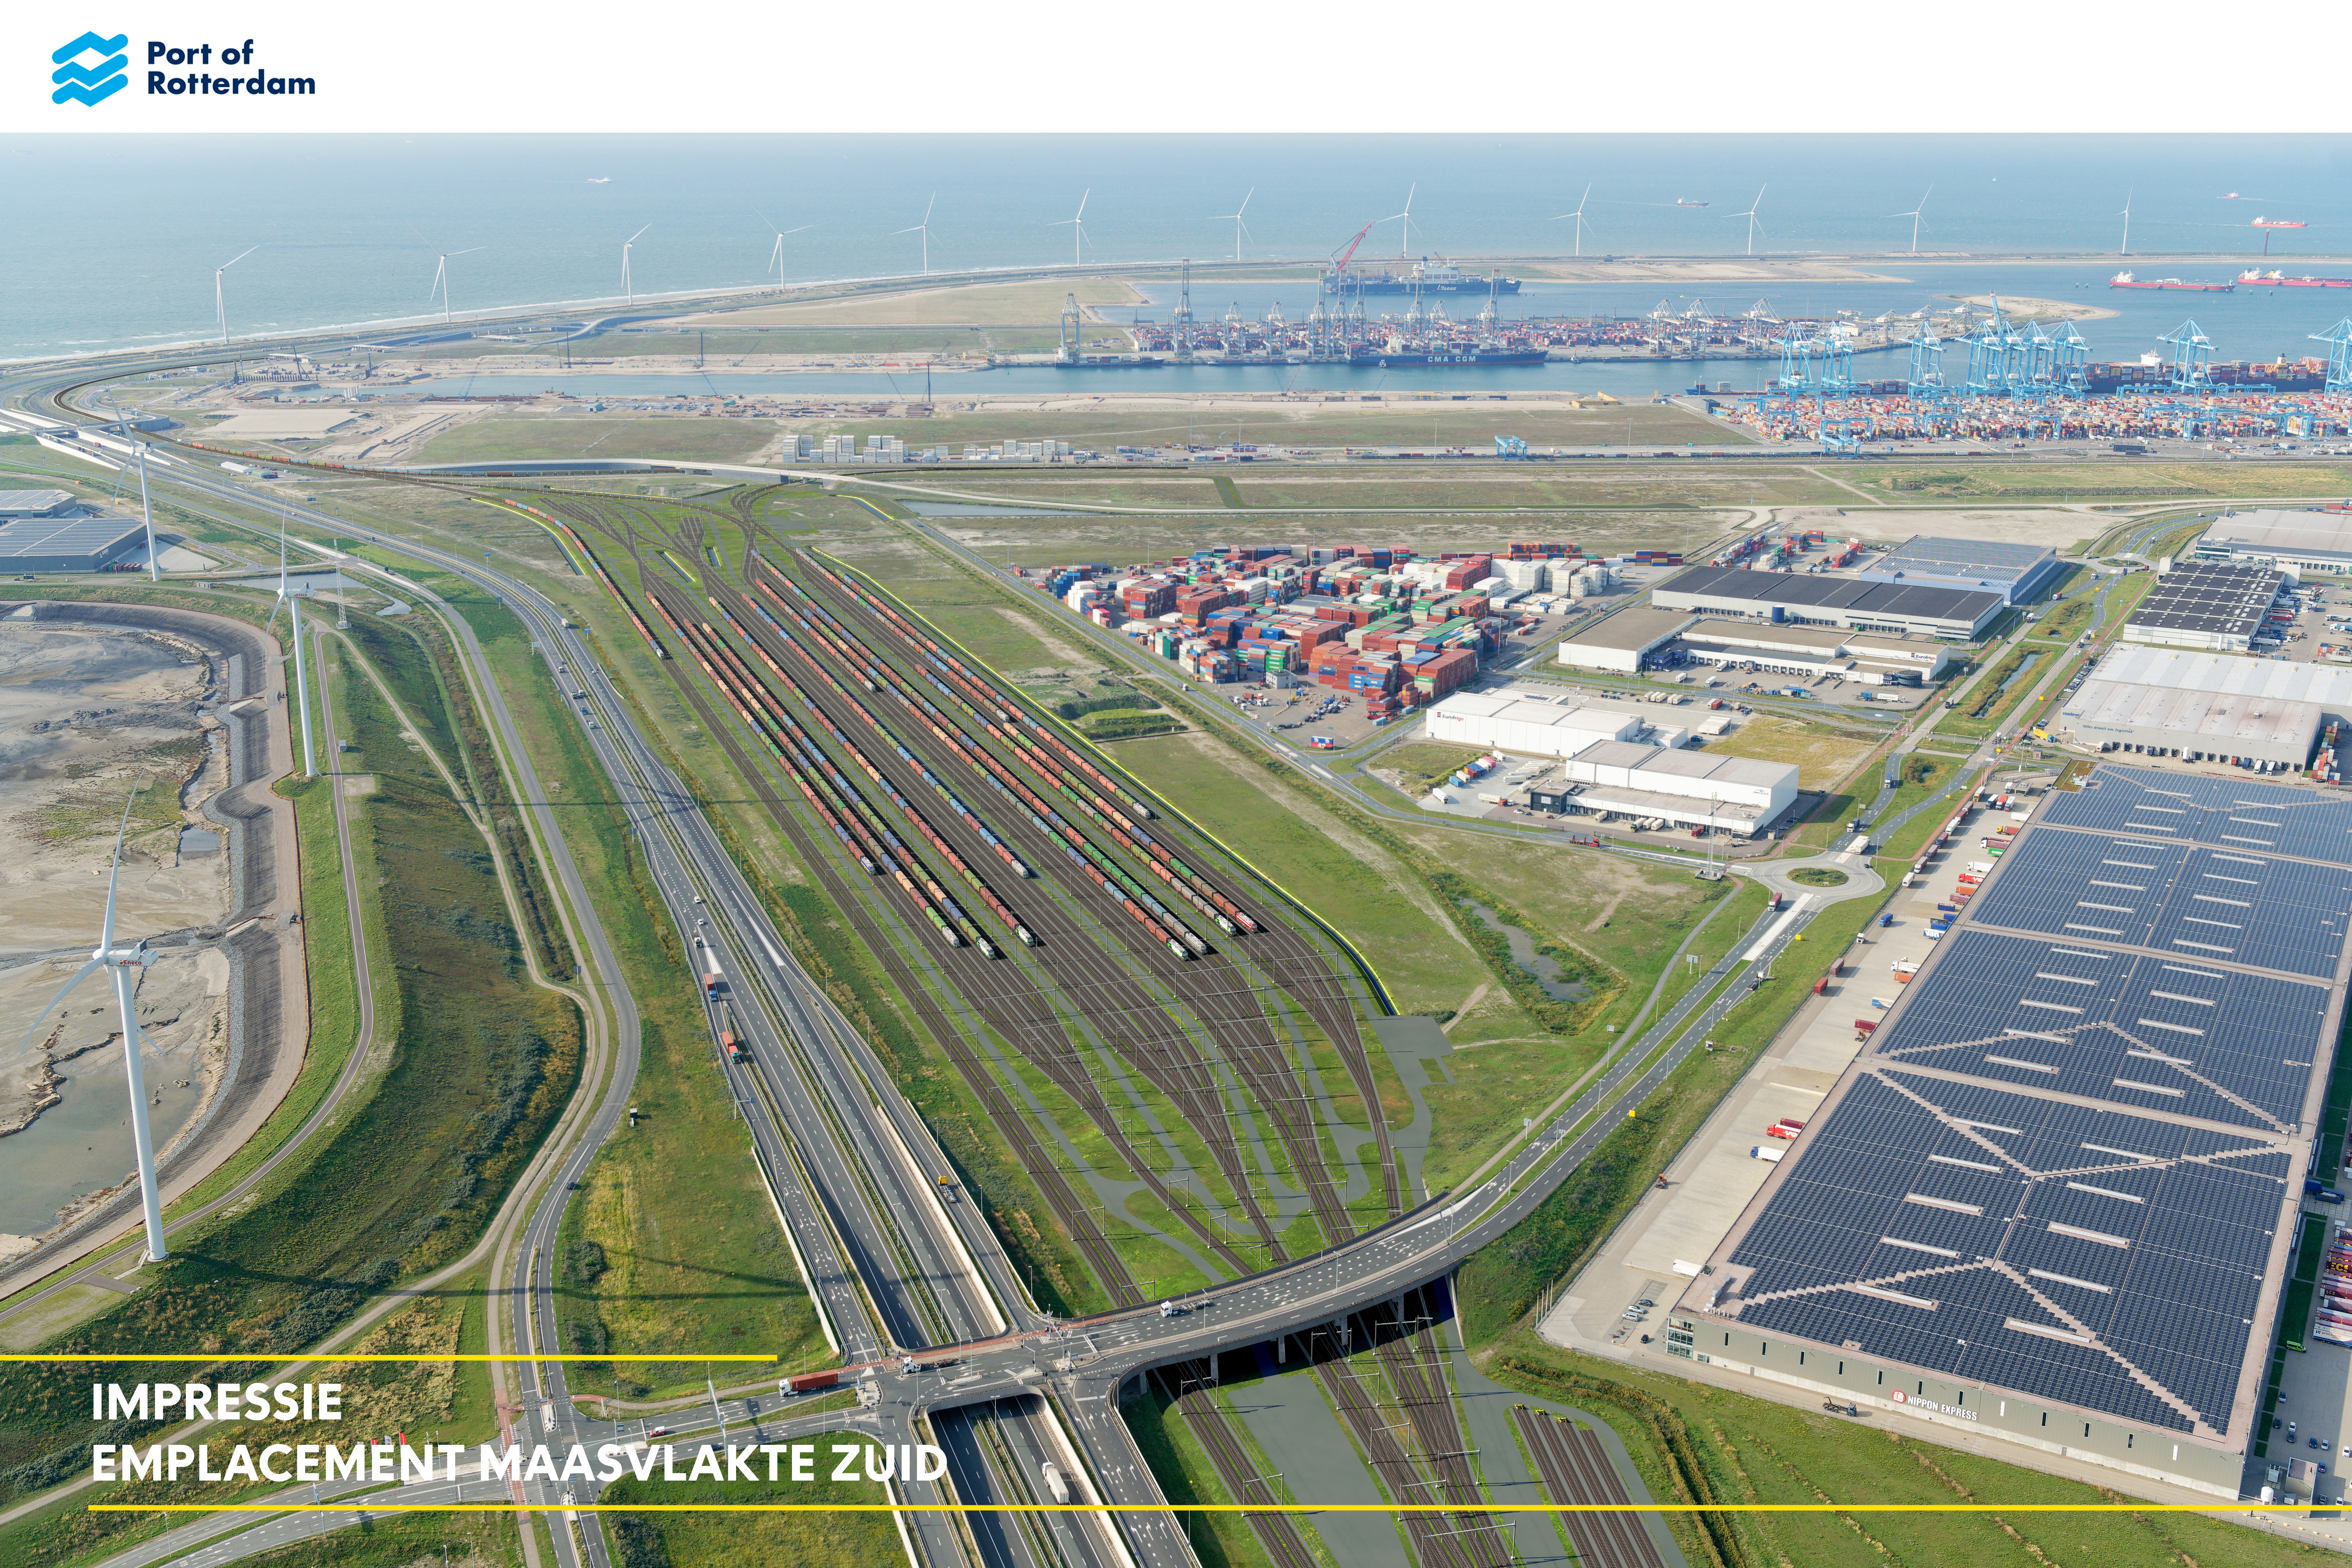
88	713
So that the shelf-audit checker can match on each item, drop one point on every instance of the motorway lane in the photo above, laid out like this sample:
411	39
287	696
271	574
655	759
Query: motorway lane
1398	1257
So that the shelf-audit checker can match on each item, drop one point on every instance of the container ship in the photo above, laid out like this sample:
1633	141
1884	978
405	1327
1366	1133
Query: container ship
2255	279
1391	359
1426	277
2125	281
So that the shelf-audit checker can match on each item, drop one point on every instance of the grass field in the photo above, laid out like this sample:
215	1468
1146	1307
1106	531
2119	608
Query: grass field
569	434
2094	480
1694	1441
1138	420
1504	1280
1422	764
1823	756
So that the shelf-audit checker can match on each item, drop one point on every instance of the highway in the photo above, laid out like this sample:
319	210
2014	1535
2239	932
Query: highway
853	1175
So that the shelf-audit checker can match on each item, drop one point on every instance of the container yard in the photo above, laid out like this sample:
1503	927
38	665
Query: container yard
1382	629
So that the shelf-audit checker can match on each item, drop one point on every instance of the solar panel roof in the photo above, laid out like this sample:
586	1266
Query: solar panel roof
1964	557
2149	1033
1850	595
2060	1167
2094	1257
2211	596
2217	905
2253	818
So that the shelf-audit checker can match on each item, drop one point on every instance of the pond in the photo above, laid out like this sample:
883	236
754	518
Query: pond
1544	968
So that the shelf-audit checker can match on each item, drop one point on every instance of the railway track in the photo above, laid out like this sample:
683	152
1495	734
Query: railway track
1186	1384
1576	1468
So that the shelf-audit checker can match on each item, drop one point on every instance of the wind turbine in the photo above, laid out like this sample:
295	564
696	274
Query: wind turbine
1579	216
1078	228
1913	216
1239	228
155	572
1751	215
293	605
924	228
441	280
628	288
1404	224
2125	215
776	254
121	962
220	305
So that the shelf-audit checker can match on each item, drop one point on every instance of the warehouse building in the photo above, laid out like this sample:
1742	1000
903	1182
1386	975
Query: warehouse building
53	544
2017	572
2206	707
1538	726
1625	643
1695	789
2220	605
2302	540
35	503
1956	614
1634	640
2054	1200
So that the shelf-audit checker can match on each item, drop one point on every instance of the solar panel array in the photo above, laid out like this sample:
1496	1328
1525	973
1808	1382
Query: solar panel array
2059	1166
2211	596
2134	1031
2233	813
2022	1242
2217	905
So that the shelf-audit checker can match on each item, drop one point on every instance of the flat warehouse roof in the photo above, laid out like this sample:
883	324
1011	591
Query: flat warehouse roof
2233	813
2217	905
2201	720
28	504
2102	1259
2188	670
1965	558
2211	596
2269	529
93	536
2067	1162
1635	630
1846	595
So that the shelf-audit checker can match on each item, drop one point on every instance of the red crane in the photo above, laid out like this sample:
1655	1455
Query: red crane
1341	266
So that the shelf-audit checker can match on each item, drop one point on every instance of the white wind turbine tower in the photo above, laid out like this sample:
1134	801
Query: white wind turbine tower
1239	228
155	572
1913	216
1404	224
924	228
1579	216
293	604
441	280
628	288
1751	215
1078	228
776	251
122	961
2125	215
220	303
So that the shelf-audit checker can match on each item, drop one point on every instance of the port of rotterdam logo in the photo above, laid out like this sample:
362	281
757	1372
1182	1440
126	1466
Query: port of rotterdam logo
92	84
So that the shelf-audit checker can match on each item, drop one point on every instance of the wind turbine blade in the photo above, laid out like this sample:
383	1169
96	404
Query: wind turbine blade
469	250
80	976
927	208
1245	202
240	255
633	238
106	927
1082	203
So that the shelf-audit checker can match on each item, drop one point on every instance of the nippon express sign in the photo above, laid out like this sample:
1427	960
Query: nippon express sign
90	70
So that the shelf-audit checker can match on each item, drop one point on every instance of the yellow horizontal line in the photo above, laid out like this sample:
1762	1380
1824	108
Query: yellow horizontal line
361	1505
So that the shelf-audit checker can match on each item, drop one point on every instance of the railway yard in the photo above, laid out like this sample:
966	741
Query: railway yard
1150	1118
